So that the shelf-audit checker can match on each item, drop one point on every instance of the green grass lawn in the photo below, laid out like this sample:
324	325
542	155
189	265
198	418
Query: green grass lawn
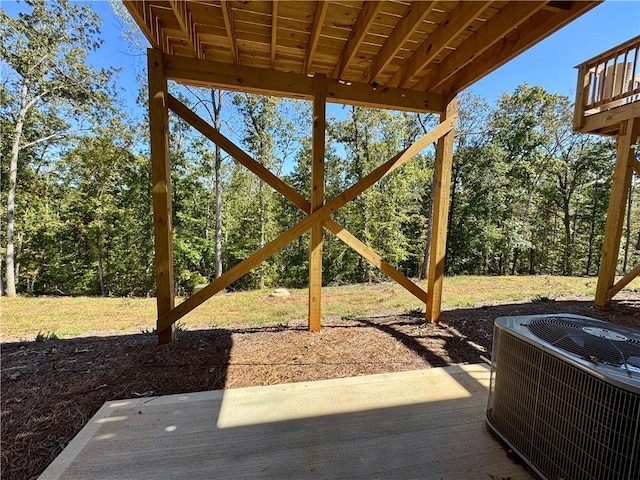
65	317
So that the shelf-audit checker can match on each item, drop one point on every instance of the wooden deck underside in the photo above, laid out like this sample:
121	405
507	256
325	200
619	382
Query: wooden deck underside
426	424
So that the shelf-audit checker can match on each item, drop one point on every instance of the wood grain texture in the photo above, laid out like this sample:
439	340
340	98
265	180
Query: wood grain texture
440	217
191	71
506	20
458	20
411	20
317	200
161	190
426	424
387	42
318	22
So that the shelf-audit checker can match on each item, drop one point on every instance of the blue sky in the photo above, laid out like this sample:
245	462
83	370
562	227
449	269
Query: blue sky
551	62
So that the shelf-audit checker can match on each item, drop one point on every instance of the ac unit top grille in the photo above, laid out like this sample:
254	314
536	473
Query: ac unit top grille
591	340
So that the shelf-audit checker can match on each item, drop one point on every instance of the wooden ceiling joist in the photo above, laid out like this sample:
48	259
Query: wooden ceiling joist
535	28
274	31
439	47
187	26
460	18
416	13
360	30
227	15
318	21
506	20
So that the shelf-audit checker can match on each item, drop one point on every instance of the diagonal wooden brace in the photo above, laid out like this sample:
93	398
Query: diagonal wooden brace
301	227
293	196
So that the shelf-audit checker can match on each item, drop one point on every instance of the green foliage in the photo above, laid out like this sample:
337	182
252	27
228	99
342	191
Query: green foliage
49	95
45	337
541	299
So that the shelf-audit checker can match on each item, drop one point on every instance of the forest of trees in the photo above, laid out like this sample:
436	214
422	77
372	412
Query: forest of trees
529	196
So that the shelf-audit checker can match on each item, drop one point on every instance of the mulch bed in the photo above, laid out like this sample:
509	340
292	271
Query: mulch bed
51	389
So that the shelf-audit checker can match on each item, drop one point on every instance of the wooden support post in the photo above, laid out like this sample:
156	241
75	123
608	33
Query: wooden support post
582	96
625	151
440	217
161	190
317	200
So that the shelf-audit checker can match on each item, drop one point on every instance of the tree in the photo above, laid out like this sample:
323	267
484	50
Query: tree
518	137
50	88
260	115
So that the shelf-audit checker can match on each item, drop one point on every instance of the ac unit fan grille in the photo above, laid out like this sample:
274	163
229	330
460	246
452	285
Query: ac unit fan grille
577	337
566	423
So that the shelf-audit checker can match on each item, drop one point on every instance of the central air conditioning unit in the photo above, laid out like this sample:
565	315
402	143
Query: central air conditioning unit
565	395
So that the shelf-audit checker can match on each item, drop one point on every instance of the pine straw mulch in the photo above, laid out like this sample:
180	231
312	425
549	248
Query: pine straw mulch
51	389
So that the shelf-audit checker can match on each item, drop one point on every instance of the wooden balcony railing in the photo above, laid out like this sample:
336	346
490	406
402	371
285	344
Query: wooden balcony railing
608	81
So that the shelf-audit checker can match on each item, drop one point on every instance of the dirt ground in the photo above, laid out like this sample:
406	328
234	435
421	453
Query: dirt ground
51	389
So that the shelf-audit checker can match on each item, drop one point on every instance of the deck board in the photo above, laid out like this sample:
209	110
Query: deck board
426	424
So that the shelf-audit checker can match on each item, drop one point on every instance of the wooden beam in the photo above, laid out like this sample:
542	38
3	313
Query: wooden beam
308	222
557	6
292	195
318	21
210	74
161	191
594	61
463	15
609	121
227	15
623	282
236	152
368	14
410	22
376	260
510	17
625	150
183	16
541	25
441	198
153	21
317	200
274	31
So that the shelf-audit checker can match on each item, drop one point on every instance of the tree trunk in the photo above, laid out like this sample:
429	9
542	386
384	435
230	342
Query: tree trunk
217	106
18	251
566	261
450	253
11	195
262	235
592	231
514	266
532	260
103	290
